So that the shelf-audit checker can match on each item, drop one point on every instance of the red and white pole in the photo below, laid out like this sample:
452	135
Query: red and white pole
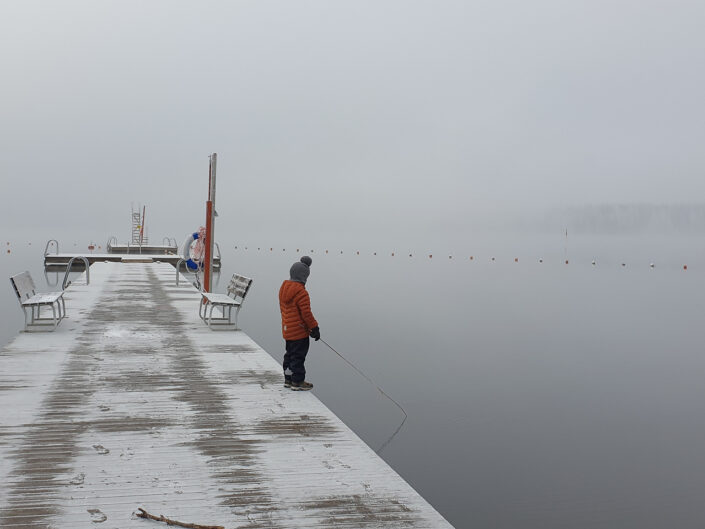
144	210
210	225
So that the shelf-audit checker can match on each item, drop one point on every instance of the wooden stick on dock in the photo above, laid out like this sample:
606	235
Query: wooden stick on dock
162	518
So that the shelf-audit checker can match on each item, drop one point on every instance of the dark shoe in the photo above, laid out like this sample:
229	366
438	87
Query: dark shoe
287	382
301	386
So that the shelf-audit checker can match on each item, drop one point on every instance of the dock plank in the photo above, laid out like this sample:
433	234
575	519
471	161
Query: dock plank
134	402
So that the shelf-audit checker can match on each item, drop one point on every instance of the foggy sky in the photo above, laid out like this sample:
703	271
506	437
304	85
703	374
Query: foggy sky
344	118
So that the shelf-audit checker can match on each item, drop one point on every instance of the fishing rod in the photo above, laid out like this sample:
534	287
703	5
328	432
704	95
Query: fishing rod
389	440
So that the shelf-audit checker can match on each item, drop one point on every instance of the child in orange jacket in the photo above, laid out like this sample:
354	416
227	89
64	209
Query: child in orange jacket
298	323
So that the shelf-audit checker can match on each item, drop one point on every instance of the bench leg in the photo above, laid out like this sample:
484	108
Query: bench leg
210	315
24	310
61	312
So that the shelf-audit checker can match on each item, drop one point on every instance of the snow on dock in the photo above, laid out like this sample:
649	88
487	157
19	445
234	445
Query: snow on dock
133	402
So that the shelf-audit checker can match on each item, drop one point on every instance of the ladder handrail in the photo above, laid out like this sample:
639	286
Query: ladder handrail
186	269
66	281
46	248
196	283
109	245
178	264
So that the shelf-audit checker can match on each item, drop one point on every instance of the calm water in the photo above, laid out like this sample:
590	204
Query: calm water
539	395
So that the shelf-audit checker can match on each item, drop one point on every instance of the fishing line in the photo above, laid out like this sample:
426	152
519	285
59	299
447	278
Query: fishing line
379	450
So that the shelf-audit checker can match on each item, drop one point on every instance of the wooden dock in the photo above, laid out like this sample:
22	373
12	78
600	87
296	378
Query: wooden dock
133	402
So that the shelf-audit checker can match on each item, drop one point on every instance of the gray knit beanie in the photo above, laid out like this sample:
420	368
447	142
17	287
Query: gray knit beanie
299	272
306	260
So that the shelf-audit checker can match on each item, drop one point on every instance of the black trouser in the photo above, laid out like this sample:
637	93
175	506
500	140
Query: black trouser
294	359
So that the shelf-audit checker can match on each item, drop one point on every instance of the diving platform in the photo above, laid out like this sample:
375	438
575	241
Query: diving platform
147	249
133	402
59	261
54	260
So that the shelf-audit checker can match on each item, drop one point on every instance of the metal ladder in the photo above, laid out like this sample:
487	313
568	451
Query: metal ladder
136	226
136	220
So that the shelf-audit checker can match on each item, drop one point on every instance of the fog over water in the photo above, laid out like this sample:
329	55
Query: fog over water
539	394
346	120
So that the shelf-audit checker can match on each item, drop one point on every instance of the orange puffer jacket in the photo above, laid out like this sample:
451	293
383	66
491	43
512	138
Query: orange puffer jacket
295	305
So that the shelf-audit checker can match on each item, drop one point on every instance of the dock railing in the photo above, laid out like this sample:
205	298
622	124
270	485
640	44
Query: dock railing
110	243
46	248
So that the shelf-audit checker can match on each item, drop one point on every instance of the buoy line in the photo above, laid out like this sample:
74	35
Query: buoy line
451	256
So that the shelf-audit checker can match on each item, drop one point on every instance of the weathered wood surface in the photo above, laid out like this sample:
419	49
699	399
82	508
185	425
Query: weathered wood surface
134	402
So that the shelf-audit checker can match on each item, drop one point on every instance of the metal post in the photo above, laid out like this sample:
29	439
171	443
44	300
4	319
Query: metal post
210	224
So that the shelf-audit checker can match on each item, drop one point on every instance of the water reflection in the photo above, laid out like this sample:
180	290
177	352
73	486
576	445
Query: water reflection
52	277
539	394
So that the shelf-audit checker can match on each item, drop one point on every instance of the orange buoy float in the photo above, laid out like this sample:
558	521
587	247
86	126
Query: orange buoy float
516	259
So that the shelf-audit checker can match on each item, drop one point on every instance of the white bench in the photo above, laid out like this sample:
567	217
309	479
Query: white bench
236	292
31	301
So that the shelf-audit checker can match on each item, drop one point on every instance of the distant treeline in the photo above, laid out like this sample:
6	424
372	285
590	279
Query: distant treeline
628	218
